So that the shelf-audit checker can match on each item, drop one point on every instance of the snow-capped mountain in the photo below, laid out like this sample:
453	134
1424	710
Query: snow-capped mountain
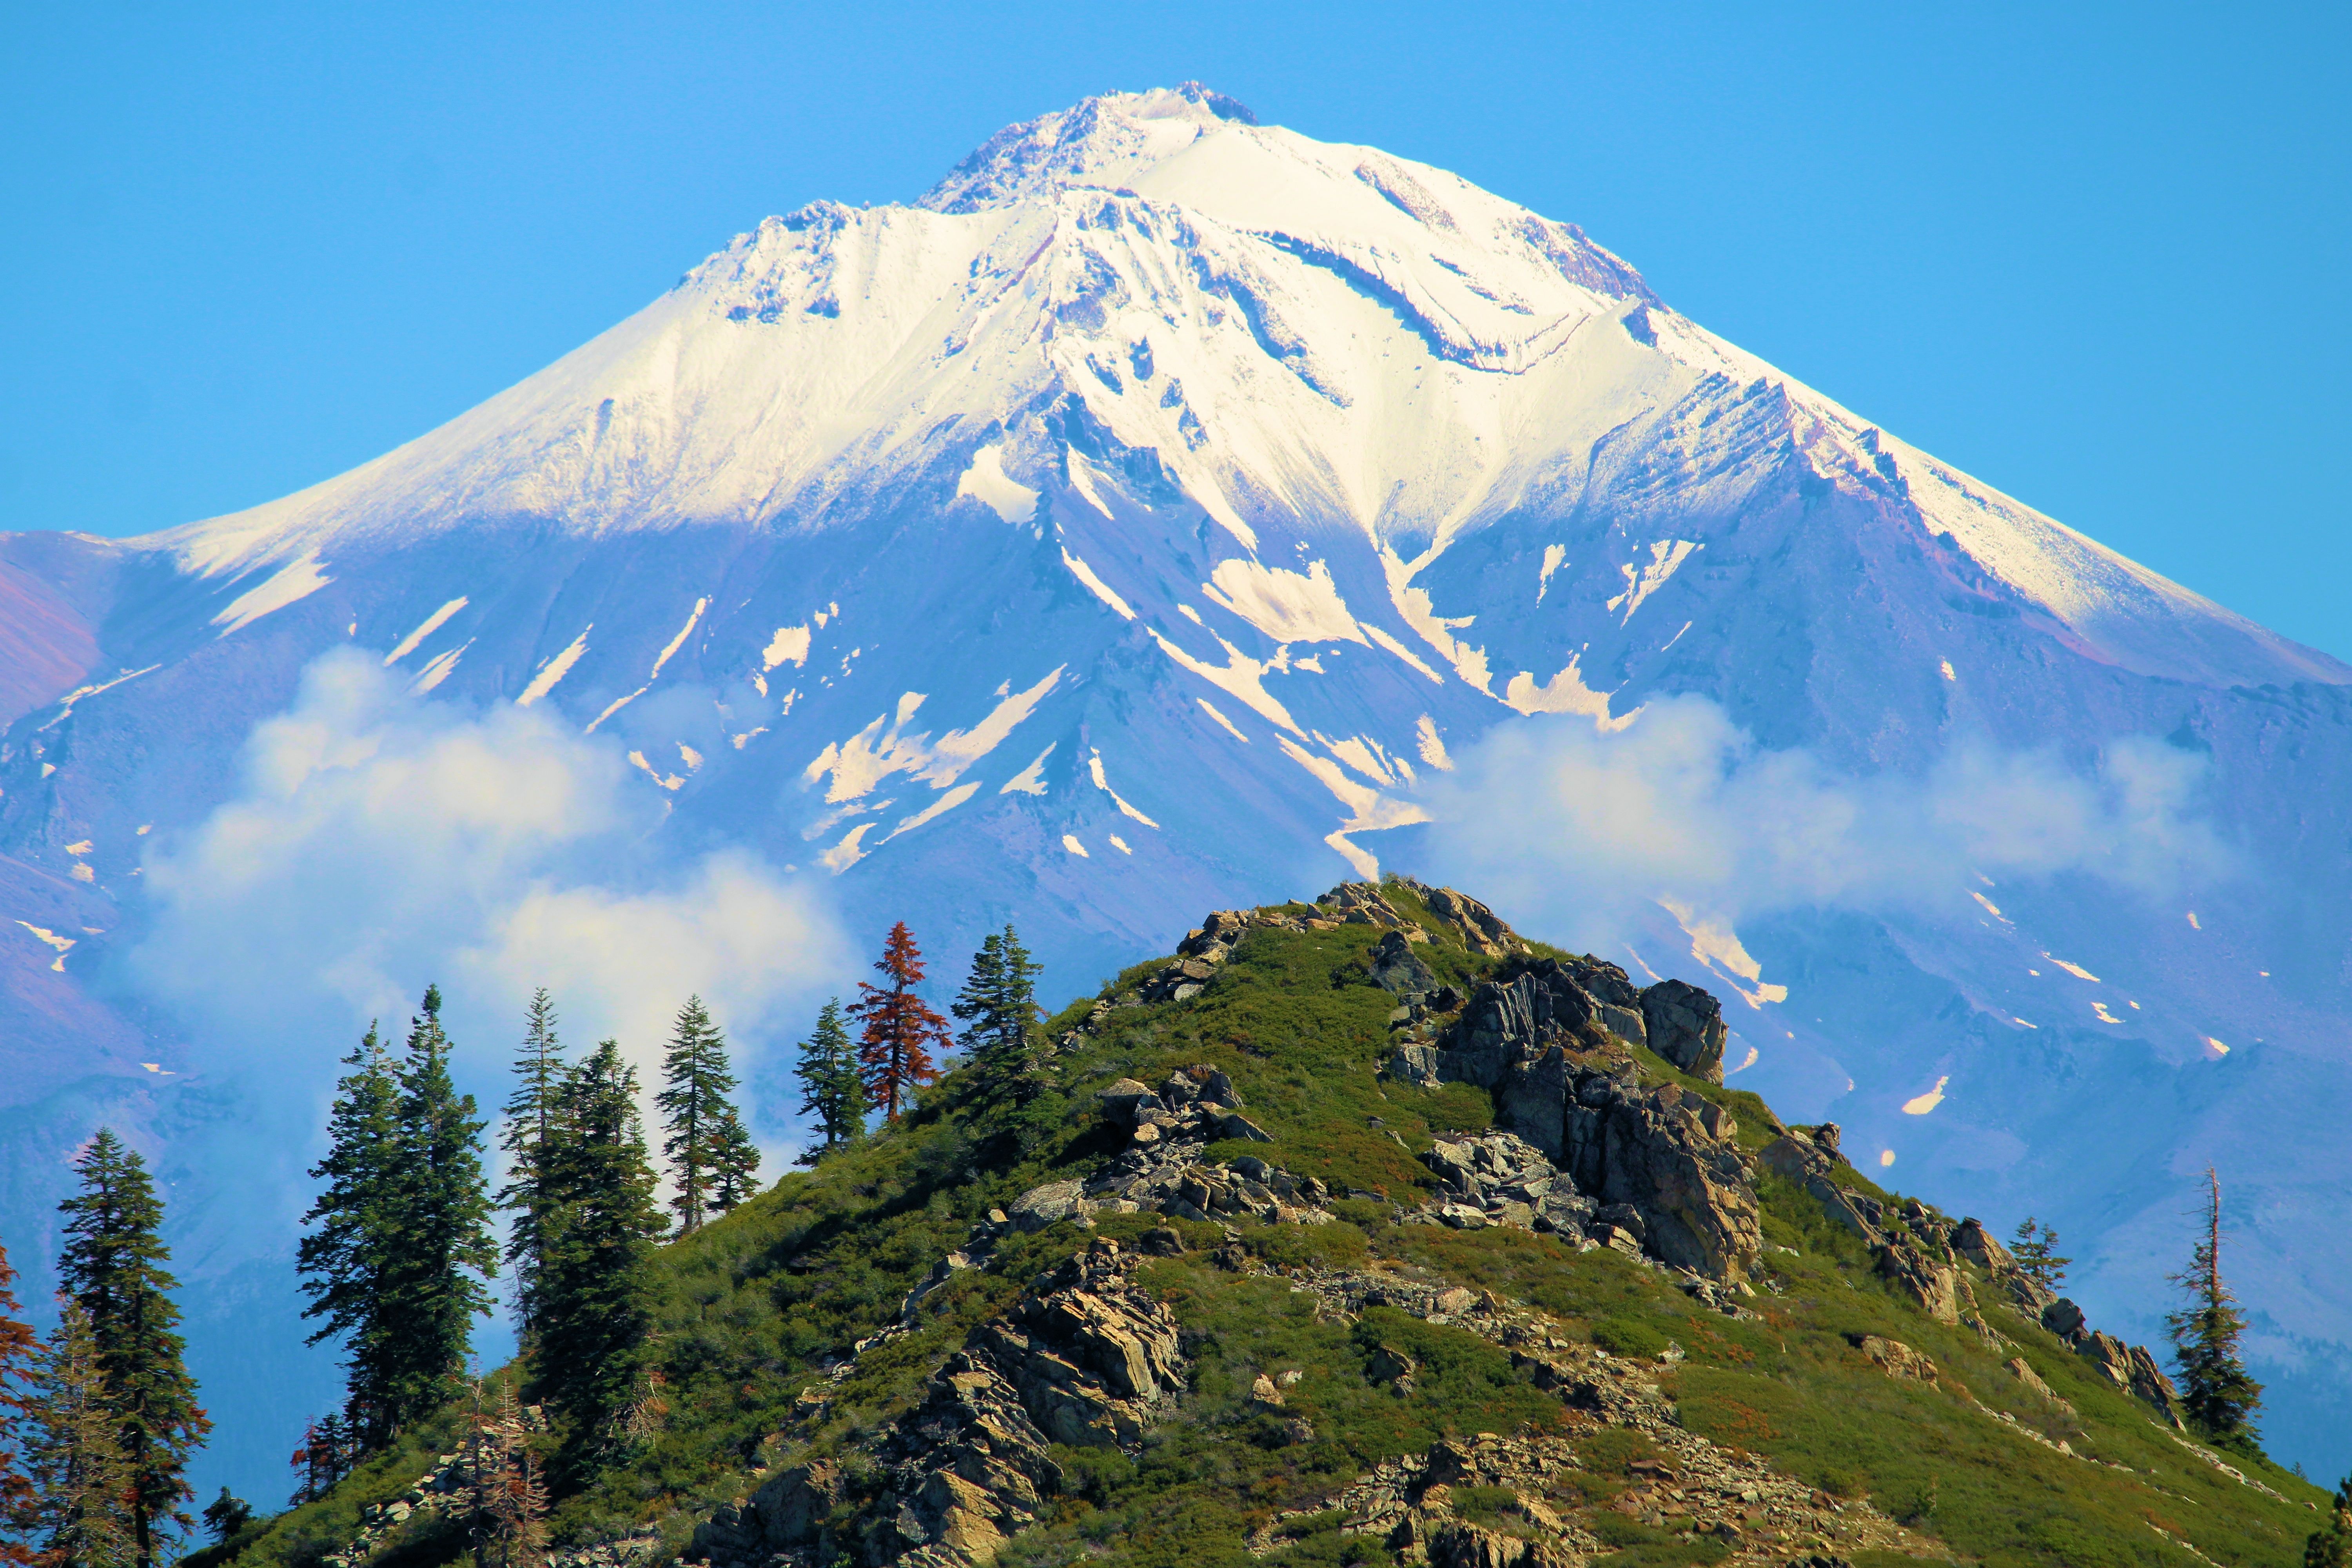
1160	511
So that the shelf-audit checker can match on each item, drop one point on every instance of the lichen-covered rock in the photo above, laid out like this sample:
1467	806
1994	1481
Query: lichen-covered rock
1397	969
1055	1200
2132	1369
1928	1283
1897	1359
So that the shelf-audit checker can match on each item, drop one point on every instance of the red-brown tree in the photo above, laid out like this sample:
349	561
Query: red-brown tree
894	1051
19	1361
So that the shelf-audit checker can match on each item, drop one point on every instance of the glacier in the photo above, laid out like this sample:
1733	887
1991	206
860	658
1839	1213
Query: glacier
1167	512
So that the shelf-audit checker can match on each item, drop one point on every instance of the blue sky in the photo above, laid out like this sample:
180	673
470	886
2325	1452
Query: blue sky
2093	254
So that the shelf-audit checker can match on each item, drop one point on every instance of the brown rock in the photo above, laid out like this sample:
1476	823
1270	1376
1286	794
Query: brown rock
1897	1359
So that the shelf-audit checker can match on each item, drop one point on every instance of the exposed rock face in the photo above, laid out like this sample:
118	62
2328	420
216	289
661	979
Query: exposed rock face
1041	1206
1809	1159
1502	1179
1979	1246
2132	1369
1897	1359
1399	971
1084	1359
1685	1027
1932	1284
1478	927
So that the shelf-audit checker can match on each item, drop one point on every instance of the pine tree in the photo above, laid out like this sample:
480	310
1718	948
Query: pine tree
20	1367
346	1259
836	1094
83	1486
432	1282
112	1268
2037	1255
2331	1547
532	1128
597	1294
695	1112
894	1047
999	1006
737	1178
226	1514
2216	1390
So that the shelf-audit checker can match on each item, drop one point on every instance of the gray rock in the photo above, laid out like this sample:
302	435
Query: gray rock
1055	1200
1685	1027
1235	1125
2064	1319
1415	1063
1625	1023
1397	969
1125	1101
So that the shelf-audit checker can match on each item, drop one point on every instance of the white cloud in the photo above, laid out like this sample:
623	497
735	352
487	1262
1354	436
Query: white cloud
1585	832
380	841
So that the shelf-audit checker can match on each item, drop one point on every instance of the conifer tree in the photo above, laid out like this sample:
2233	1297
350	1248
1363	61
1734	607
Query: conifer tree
432	1282
346	1259
113	1269
83	1487
894	1045
597	1294
695	1112
2216	1390
531	1132
999	1006
2037	1255
20	1367
836	1094
737	1178
226	1514
2331	1546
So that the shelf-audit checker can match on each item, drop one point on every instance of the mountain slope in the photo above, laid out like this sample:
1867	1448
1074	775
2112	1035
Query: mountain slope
934	1350
1167	507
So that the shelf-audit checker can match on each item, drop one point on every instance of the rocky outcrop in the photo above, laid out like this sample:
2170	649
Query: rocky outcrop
1500	1178
1685	1027
1166	1169
1084	1359
1933	1284
1896	1359
1478	927
1979	1246
1809	1156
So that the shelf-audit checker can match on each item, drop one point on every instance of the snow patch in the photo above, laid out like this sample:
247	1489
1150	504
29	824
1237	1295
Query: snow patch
1991	908
2214	1050
1100	589
296	579
2076	970
667	781
614	706
1945	665
1211	708
1432	748
440	669
2192	922
1389	642
883	748
1240	677
1920	1105
1288	606
1565	694
1645	578
1717	945
987	482
938	808
82	693
1555	557
679	641
1030	780
1095	768
1368	810
789	646
555	668
1120	845
425	628
1070	842
846	853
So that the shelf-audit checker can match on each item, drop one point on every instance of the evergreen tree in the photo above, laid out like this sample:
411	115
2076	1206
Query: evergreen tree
695	1112
20	1367
346	1259
532	1128
226	1514
2331	1547
736	1178
2037	1255
998	1005
83	1487
441	1247
2215	1388
113	1269
829	1078
597	1294
894	1047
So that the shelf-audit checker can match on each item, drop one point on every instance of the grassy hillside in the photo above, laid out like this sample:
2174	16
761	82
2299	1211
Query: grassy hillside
1564	1341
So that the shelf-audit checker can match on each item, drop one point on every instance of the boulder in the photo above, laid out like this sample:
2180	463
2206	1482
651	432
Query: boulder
1897	1359
2132	1369
1055	1200
1685	1026
1928	1283
1626	1023
1472	923
1397	969
1235	1125
1125	1101
1416	1065
2064	1319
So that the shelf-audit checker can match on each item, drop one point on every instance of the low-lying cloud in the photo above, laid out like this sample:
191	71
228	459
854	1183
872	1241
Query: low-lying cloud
1587	834
381	840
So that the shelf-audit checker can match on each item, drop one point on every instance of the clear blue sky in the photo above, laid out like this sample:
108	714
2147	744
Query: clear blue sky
2093	254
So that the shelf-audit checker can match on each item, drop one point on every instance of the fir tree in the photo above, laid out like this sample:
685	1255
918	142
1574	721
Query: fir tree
695	1112
531	1132
20	1366
2037	1255
441	1246
113	1269
83	1487
999	1006
345	1260
2216	1390
226	1514
894	1047
836	1094
2331	1546
597	1294
737	1177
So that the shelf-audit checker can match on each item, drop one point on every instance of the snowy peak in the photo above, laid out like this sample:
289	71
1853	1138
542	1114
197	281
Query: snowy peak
1099	141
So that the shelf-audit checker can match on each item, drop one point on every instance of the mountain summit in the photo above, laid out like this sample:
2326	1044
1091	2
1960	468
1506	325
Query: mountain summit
1168	503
